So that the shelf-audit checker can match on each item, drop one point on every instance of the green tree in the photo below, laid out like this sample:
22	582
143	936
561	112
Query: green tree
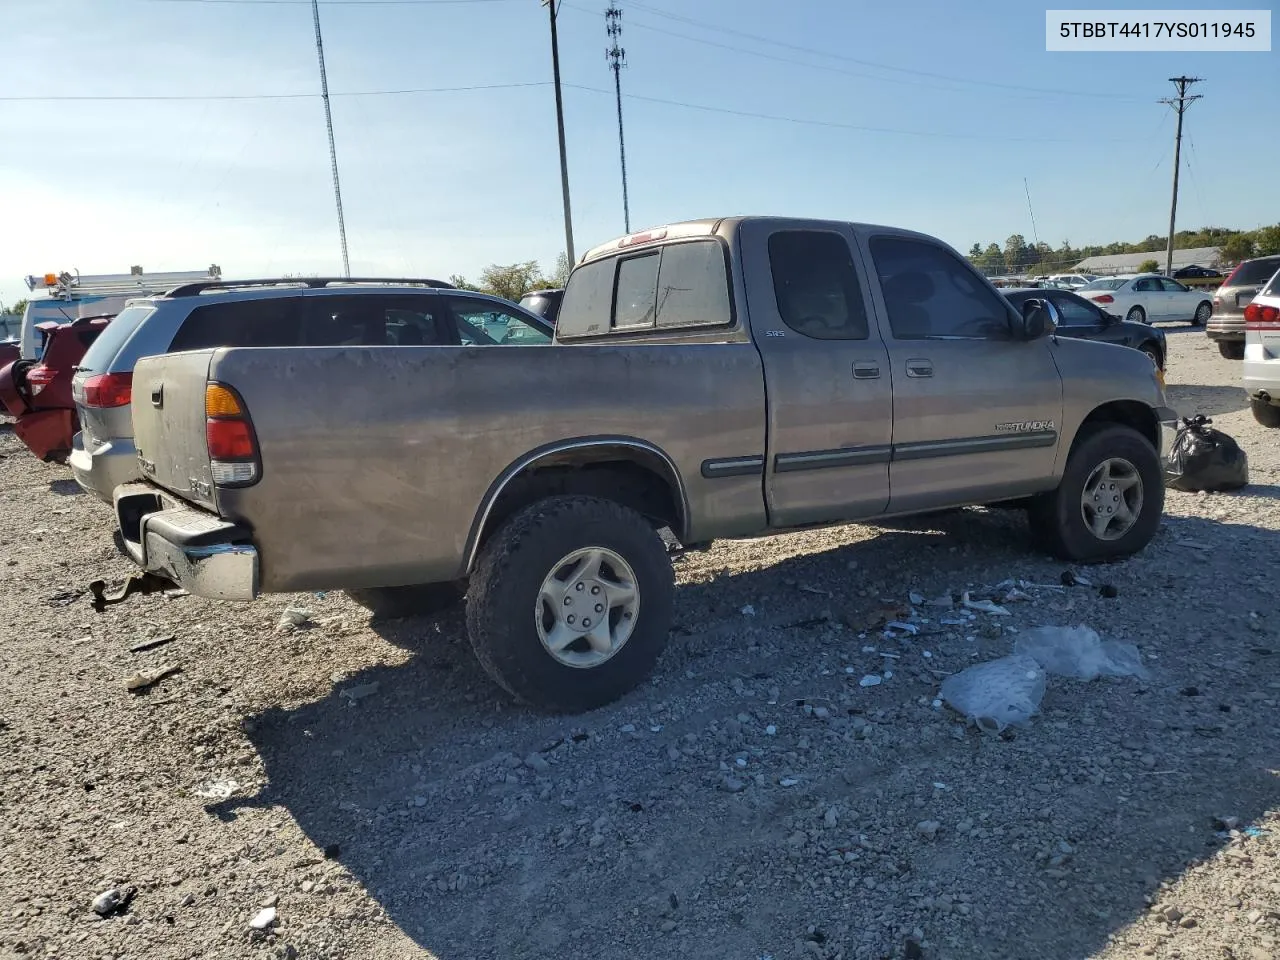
511	281
18	306
992	260
559	274
1149	266
1266	241
1237	247
462	283
975	252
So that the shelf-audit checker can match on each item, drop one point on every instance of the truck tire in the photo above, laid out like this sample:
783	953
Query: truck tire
1109	502
419	600
596	558
1231	349
1265	413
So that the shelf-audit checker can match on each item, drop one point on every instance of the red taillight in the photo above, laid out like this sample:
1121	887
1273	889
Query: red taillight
1105	298
109	390
229	440
1255	314
39	377
233	448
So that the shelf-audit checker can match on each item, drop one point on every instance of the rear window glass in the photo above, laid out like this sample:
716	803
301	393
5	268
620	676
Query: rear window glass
1255	271
104	349
693	288
637	296
1273	288
1104	285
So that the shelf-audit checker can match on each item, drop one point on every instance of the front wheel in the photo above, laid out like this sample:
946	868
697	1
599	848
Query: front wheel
571	603
1110	499
1231	349
1202	314
1152	352
1136	315
1265	413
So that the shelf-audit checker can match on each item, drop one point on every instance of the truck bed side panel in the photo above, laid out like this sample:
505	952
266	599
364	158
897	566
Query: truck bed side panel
375	461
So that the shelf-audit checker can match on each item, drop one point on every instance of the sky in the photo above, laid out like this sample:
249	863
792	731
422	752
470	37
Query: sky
927	115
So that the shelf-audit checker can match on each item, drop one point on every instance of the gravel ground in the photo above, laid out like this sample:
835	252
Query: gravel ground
754	800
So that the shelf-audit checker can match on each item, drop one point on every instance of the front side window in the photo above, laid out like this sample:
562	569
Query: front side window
816	286
1074	313
486	323
930	293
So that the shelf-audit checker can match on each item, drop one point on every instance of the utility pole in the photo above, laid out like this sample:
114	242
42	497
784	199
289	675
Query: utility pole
564	160
617	58
333	152
1179	103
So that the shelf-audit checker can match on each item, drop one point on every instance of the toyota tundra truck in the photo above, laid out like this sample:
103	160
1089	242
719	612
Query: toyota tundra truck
720	378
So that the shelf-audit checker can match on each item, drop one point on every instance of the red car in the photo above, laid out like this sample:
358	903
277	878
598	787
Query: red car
38	394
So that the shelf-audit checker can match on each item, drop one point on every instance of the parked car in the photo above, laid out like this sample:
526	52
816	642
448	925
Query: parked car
1196	272
1261	365
713	379
1149	297
1083	318
37	394
1071	281
267	313
545	303
1226	326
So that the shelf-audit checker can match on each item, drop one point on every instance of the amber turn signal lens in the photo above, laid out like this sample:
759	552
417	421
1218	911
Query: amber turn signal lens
221	402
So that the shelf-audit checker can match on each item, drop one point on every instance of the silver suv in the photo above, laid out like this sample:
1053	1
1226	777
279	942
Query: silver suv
268	313
1227	325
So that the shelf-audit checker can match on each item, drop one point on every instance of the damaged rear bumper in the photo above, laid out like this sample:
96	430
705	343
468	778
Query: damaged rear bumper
203	554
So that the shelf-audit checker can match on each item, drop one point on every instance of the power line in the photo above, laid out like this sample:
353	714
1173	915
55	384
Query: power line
866	63
332	3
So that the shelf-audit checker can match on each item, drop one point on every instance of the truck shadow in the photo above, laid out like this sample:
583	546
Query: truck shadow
485	829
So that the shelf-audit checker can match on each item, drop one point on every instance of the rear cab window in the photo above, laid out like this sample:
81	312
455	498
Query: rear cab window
679	286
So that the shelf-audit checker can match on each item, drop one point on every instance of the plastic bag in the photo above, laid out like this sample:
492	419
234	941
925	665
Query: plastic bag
1203	458
997	693
1080	653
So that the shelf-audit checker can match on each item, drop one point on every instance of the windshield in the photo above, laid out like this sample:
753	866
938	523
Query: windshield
1254	271
1104	285
108	344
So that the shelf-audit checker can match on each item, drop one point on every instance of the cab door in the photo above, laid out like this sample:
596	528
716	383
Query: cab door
829	394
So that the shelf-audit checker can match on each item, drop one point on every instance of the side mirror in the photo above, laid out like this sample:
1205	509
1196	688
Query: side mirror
1039	318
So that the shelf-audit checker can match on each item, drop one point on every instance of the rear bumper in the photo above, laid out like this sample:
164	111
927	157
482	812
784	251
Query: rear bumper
1228	329
1261	378
1168	430
203	554
100	470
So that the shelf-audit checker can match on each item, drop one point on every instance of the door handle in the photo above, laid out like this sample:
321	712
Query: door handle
919	368
157	396
866	370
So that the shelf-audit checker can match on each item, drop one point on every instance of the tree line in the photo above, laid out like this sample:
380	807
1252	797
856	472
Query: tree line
1019	256
513	280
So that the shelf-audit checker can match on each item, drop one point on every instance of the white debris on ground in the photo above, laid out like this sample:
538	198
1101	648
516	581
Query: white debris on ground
1132	817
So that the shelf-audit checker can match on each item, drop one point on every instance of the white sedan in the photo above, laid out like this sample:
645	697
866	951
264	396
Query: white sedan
1148	297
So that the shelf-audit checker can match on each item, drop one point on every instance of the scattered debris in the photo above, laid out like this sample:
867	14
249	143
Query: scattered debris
788	782
65	598
358	693
218	789
910	628
263	919
1079	652
149	678
917	599
115	900
997	693
870	680
1109	591
748	611
152	644
294	617
983	606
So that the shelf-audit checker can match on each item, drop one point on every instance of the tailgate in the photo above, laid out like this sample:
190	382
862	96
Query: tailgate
169	424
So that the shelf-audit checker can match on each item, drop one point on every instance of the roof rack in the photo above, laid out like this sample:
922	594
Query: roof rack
312	283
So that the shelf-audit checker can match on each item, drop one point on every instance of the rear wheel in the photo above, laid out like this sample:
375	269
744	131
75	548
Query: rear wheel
1265	413
571	602
1231	349
1202	314
1109	501
1136	315
412	601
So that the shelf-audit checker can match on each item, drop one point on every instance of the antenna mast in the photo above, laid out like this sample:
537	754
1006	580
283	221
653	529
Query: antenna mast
617	58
